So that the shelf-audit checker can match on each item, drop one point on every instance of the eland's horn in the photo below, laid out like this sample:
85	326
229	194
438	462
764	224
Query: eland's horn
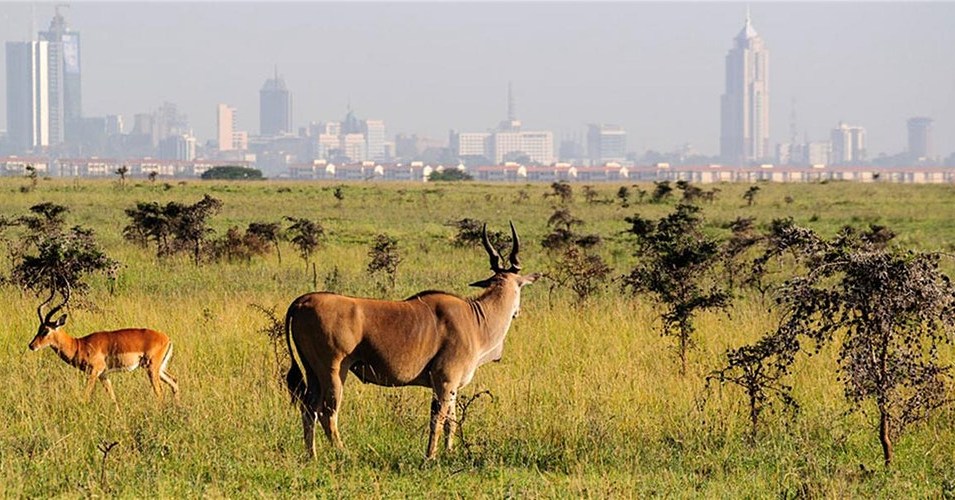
491	252
515	261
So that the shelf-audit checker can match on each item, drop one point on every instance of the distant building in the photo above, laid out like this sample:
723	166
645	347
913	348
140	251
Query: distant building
65	87
920	138
114	125
744	107
275	107
225	126
28	95
375	139
848	144
178	147
606	143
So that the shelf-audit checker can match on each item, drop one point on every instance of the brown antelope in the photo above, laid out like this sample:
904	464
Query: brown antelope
100	353
431	339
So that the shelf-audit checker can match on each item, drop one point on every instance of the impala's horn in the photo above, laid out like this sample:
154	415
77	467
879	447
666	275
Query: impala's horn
515	261
39	308
491	252
66	299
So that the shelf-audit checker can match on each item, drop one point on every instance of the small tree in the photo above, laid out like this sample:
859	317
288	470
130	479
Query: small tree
269	232
190	224
62	262
471	234
121	172
339	194
623	194
305	235
590	195
750	195
676	260
662	191
891	311
385	258
562	191
584	274
33	175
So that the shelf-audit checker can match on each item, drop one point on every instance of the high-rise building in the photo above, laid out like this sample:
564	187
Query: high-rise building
606	143
28	94
225	125
275	107
848	144
65	107
744	108
375	139
920	138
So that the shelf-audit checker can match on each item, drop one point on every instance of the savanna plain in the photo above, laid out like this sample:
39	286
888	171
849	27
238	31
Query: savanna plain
587	401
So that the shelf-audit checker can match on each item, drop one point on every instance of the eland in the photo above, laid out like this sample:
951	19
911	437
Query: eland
431	339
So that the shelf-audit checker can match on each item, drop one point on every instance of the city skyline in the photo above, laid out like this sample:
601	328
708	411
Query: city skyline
551	96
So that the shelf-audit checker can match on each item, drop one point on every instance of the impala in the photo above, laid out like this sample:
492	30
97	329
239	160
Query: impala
100	353
431	339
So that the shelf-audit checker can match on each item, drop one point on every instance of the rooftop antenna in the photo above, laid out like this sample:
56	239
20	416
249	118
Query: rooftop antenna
793	132
511	111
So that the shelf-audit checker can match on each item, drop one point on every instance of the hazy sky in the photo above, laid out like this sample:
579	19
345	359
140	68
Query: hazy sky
655	68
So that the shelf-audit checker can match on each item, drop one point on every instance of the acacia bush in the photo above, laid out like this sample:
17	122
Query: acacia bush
385	258
676	262
889	312
305	235
471	231
173	227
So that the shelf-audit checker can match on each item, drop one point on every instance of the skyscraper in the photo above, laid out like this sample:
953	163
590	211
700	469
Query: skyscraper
848	144
225	121
66	111
28	94
744	108
920	138
606	143
275	107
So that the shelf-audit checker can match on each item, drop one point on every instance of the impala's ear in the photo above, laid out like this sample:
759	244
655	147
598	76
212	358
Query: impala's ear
483	283
60	322
530	278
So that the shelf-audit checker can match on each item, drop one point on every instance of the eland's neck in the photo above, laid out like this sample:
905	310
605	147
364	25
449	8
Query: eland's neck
495	309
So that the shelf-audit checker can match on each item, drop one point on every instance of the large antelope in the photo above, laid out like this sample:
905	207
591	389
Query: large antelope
431	339
100	353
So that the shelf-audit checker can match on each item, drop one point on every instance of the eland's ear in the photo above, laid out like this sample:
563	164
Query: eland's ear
483	283
530	278
60	321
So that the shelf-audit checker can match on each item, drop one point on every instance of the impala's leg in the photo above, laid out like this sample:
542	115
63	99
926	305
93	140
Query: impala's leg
332	386
171	382
153	371
94	372
440	405
451	424
108	386
165	376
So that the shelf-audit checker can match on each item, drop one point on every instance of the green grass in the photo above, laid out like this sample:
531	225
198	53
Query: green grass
586	402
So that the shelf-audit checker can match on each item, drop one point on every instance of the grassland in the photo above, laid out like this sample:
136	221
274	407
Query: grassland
586	402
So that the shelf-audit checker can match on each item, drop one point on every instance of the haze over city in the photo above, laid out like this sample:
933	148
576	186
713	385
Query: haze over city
656	69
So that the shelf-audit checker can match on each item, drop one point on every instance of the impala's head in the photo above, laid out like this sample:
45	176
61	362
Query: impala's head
506	279
48	325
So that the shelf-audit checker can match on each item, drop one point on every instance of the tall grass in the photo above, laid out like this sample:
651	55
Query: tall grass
586	401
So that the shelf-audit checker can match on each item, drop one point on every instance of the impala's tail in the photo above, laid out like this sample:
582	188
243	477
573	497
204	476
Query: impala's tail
295	380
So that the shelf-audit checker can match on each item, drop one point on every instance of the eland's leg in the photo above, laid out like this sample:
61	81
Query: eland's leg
451	424
332	385
440	406
309	405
